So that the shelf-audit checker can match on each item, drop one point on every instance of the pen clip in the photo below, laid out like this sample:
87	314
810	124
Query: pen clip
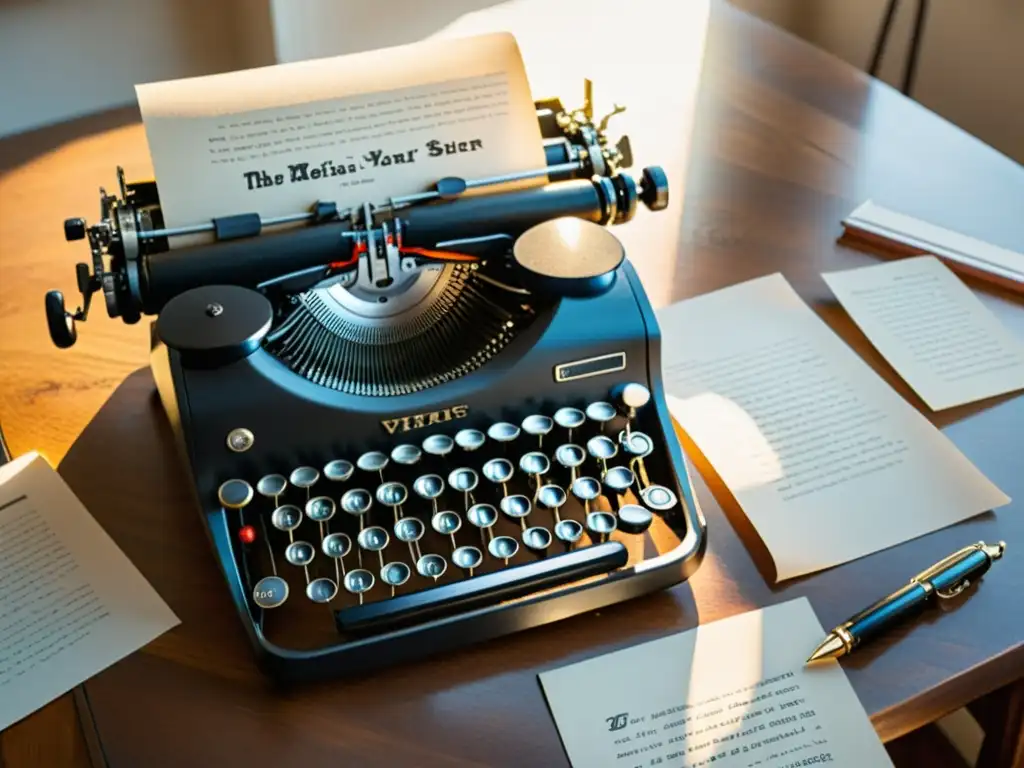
928	574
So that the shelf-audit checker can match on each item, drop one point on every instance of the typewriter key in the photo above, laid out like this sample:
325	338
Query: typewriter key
447	524
619	479
570	456
411	530
469	439
483	516
601	523
320	509
601	413
431	566
234	494
465	480
357	502
393	494
602	449
552	497
640	446
321	590
658	497
438	445
429	487
568	531
406	455
336	546
517	507
300	554
570	419
272	486
467	558
586	489
536	465
358	582
286	518
304	477
270	592
634	519
538	426
373	461
503	548
499	472
537	538
395	575
339	470
374	539
503	432
634	396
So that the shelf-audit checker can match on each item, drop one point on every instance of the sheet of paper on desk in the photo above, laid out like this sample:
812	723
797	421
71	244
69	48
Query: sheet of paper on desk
932	329
71	603
351	129
734	693
826	460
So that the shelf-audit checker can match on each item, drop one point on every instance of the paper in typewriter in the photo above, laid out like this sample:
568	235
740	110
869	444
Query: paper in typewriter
826	460
932	329
71	603
733	693
351	129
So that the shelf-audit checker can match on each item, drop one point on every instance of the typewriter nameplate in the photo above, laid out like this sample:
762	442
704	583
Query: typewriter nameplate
592	366
413	421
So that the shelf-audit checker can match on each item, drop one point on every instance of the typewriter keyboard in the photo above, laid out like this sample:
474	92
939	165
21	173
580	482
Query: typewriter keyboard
453	521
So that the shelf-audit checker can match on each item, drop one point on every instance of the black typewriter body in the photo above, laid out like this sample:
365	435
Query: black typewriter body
428	447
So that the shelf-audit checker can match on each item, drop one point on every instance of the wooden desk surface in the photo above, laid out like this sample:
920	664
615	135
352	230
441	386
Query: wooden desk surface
787	141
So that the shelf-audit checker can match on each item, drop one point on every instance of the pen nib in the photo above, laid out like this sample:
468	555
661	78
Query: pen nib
831	647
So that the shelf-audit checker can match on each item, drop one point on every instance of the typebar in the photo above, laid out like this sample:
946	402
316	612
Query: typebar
490	588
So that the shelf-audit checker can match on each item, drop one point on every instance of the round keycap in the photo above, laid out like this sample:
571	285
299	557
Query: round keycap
336	545
372	461
428	486
286	517
469	439
601	447
271	485
538	425
568	531
359	581
299	553
537	538
409	529
321	590
438	445
372	539
503	547
515	506
635	395
551	496
339	470
570	455
658	497
446	523
320	509
431	566
463	479
356	501
234	494
636	443
619	479
586	488
270	592
395	574
467	558
569	418
634	519
601	522
303	477
482	515
392	494
498	470
534	463
600	412
406	455
503	432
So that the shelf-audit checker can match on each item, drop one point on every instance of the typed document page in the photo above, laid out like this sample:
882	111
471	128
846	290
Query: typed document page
350	129
734	693
826	460
71	603
932	329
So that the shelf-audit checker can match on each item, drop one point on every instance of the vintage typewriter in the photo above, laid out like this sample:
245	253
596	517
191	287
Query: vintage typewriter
419	423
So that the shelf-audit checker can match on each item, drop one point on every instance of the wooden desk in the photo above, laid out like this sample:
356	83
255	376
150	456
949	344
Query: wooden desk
788	140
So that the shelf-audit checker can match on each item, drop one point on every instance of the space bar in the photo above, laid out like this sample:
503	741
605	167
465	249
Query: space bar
482	590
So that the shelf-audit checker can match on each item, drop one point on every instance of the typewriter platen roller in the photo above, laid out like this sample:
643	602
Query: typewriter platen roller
420	423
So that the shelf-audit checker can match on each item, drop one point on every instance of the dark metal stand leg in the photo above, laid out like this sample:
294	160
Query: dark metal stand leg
910	70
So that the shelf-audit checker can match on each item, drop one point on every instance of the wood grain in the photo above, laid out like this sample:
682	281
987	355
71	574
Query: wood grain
788	140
